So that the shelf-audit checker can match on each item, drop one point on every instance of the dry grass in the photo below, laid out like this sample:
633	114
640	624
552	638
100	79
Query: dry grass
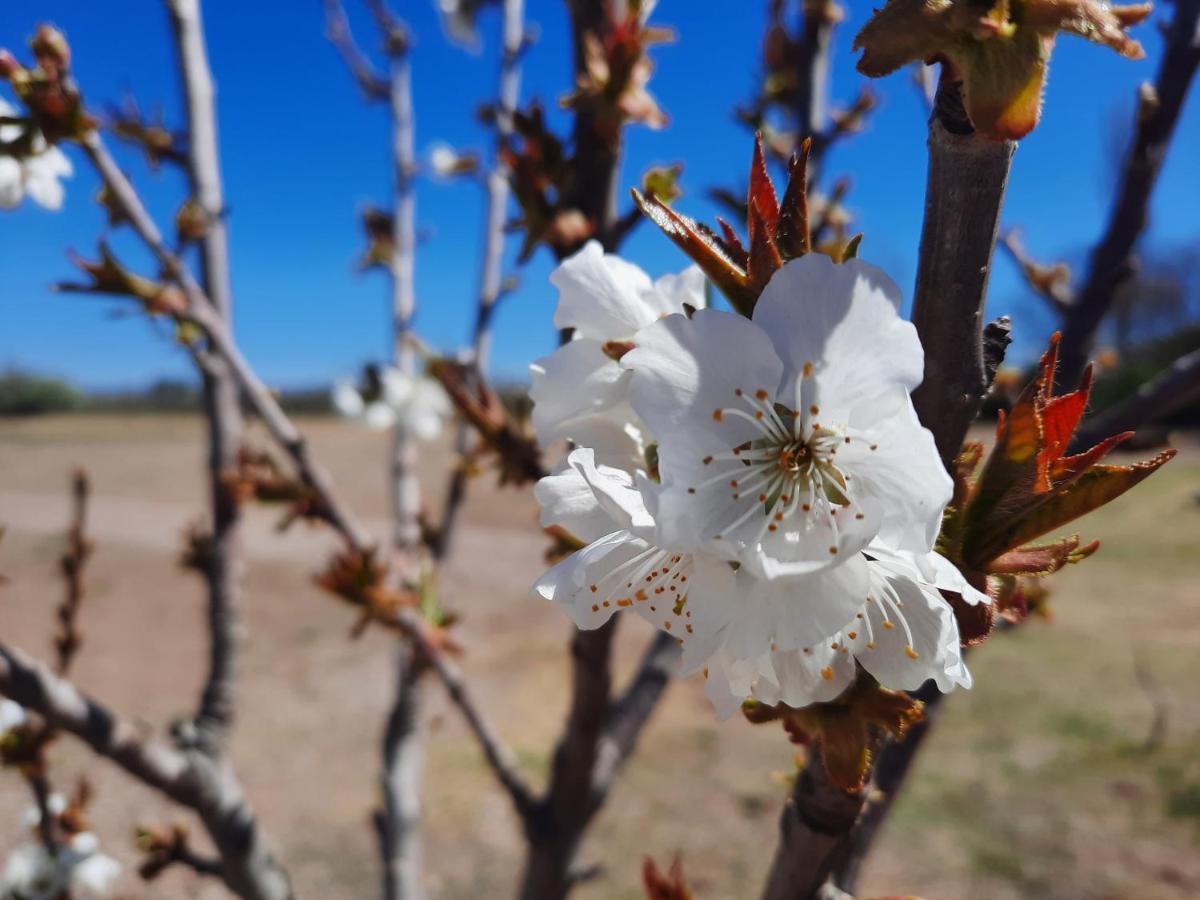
1038	782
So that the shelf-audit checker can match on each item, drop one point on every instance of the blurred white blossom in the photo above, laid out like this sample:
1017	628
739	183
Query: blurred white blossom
394	399
78	870
34	174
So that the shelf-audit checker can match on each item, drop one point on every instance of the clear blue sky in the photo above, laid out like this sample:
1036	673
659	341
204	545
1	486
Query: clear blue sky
302	153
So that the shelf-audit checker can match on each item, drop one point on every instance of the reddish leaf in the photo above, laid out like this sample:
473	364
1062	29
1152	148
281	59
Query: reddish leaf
762	192
792	231
1094	488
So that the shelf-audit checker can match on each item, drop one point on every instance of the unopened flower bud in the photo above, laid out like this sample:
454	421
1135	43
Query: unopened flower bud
51	48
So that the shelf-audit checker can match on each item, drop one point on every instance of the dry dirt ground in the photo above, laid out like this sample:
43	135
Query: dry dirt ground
1040	782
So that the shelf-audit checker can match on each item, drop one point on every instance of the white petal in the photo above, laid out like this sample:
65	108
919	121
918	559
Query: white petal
921	643
424	426
905	474
793	612
12	715
600	295
379	415
12	183
95	877
607	564
574	383
844	319
616	437
814	674
346	399
398	387
672	292
568	500
43	187
614	491
685	369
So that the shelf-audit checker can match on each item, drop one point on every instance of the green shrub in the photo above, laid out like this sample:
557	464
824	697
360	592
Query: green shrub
23	394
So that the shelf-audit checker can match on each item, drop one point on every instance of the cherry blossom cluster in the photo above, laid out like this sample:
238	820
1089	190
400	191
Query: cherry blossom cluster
758	487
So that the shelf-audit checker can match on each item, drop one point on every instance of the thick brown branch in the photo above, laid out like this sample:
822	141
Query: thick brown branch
965	190
1158	112
193	780
567	808
816	821
632	710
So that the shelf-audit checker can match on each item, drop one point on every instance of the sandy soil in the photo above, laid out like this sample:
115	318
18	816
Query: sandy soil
1038	784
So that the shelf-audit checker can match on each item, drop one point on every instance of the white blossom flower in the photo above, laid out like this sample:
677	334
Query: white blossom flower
12	715
904	635
417	403
35	175
79	869
622	566
580	392
32	816
789	443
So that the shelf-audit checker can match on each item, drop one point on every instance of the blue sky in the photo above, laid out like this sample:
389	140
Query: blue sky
302	153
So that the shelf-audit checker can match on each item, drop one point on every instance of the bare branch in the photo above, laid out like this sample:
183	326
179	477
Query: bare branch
191	779
567	809
630	713
226	628
337	30
399	822
1051	282
72	563
491	274
200	313
1169	391
1159	107
282	429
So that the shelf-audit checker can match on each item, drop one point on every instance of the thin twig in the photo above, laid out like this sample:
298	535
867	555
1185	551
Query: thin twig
226	628
491	271
337	30
72	563
1051	282
1159	107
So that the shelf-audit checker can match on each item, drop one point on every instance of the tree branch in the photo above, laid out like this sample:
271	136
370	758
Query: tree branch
193	780
337	30
200	313
816	820
1051	282
285	433
1171	390
490	278
399	822
1158	112
226	627
965	190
